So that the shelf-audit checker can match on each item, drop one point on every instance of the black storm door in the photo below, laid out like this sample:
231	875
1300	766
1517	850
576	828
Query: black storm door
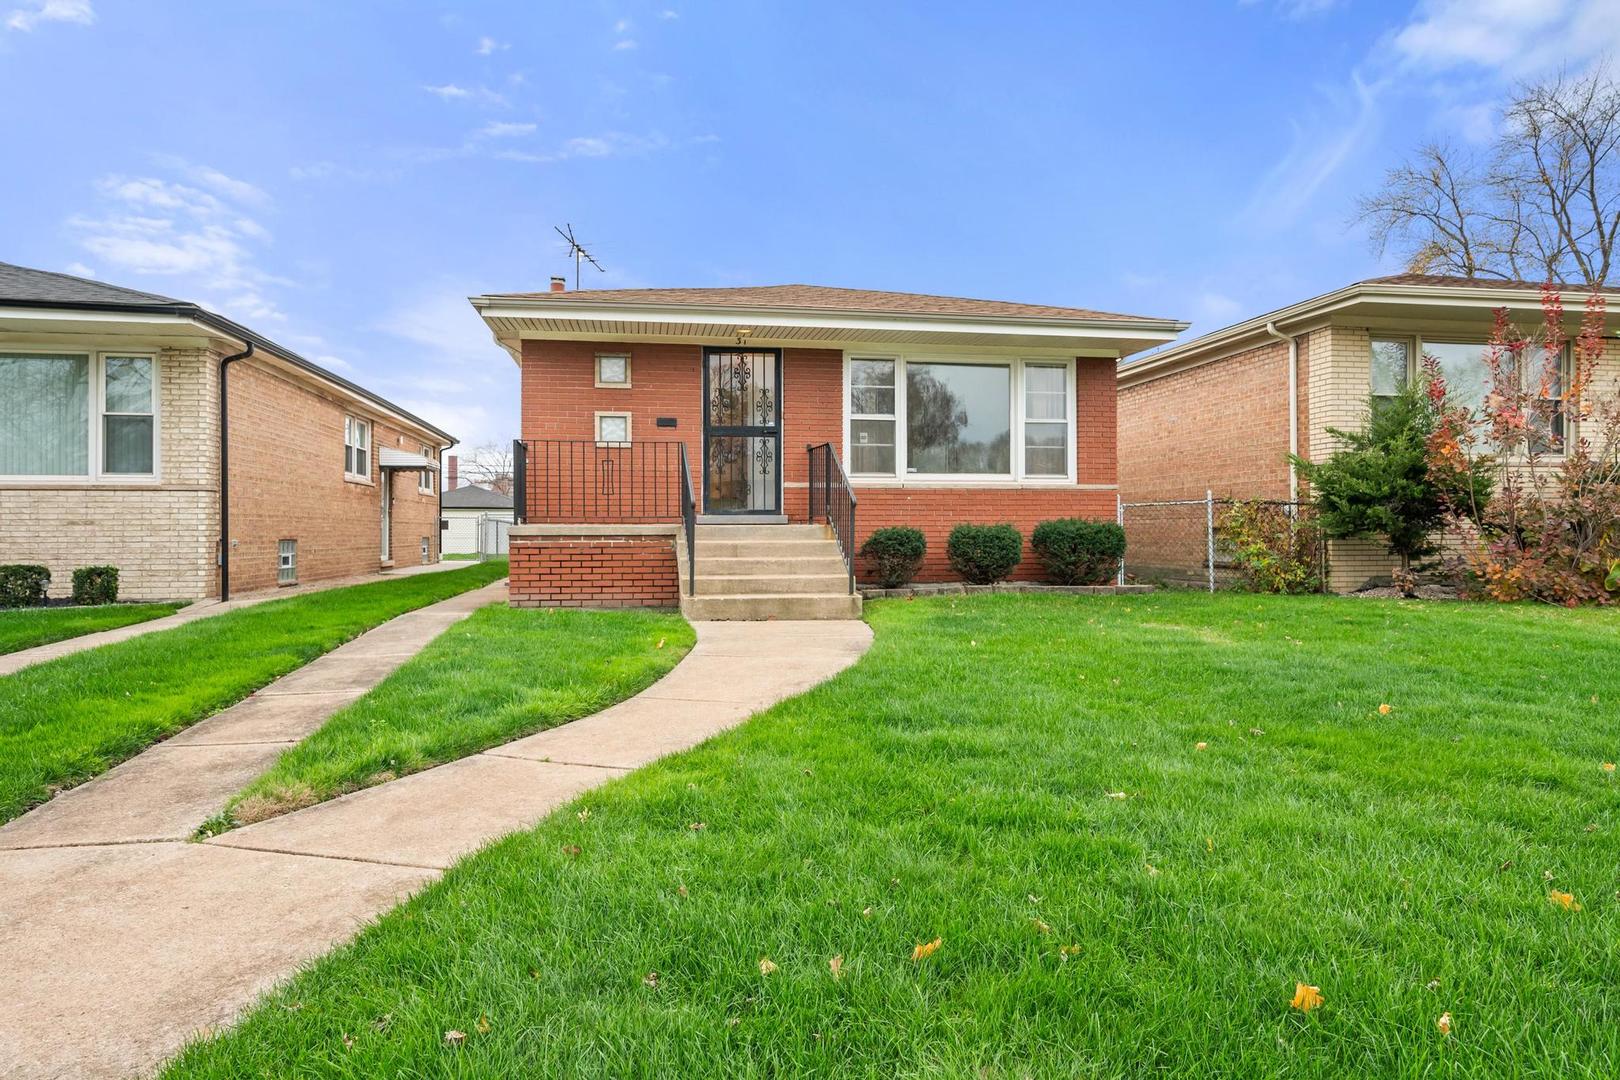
742	431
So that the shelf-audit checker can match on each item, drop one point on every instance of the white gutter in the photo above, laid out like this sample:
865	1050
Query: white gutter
1293	407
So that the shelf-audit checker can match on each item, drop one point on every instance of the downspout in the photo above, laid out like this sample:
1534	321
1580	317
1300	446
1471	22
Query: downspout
225	472
1293	407
438	524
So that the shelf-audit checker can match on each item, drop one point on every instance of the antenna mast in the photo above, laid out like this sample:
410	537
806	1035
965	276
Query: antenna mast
577	251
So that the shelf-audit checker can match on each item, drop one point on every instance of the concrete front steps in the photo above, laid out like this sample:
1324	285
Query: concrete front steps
768	572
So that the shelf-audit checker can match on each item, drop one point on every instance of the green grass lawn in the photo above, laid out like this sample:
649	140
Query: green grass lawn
501	674
66	720
1018	776
459	556
25	628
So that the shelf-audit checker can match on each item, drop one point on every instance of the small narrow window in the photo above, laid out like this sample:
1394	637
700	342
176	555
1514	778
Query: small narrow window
612	370
871	417
427	551
424	482
357	447
126	415
613	428
1046	420
287	563
1391	368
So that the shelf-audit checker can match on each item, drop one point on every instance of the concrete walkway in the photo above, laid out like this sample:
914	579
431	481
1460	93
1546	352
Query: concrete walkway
202	609
117	944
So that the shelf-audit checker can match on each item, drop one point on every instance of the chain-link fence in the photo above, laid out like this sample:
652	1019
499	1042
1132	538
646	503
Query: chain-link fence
493	536
1186	542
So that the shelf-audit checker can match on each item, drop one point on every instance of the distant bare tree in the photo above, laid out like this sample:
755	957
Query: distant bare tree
490	466
1543	204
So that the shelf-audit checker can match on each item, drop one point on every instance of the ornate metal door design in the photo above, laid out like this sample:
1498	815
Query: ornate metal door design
742	431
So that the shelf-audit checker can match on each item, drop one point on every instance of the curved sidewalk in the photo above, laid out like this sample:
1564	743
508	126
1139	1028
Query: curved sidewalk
114	953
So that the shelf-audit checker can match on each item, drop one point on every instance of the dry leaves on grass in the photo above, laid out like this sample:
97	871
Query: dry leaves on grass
455	1038
1306	997
650	980
1444	1024
1385	710
1201	746
766	965
1066	951
1608	767
836	966
1564	900
924	951
483	1025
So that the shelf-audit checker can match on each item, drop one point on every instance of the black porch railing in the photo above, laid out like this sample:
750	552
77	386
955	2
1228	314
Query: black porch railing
585	482
832	500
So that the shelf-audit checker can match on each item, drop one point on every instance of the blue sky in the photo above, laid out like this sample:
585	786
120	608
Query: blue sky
341	176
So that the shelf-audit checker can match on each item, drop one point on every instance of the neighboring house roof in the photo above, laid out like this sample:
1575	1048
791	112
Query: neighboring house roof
1399	295
473	497
24	287
812	316
829	299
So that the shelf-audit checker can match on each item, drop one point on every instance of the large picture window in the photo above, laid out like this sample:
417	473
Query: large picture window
1465	366
926	417
87	415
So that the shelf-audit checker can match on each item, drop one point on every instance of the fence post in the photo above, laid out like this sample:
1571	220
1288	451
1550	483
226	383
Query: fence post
1119	516
1209	533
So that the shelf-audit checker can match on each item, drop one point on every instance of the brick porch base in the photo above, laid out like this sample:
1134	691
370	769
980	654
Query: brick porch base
594	566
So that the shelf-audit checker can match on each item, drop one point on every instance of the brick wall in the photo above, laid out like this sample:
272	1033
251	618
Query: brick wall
159	535
287	483
594	571
560	400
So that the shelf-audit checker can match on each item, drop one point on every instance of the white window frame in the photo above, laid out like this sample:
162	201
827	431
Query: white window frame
352	423
596	429
97	403
427	550
1015	366
597	371
287	568
424	479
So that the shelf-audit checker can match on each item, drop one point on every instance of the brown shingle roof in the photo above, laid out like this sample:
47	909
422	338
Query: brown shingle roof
827	299
1450	281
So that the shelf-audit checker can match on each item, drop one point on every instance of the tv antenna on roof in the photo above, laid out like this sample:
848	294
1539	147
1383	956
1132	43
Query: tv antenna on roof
577	251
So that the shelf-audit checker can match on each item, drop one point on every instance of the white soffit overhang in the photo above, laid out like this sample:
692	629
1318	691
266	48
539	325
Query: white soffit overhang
513	321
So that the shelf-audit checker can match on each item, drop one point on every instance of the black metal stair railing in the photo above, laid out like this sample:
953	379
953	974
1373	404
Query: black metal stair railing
832	501
689	523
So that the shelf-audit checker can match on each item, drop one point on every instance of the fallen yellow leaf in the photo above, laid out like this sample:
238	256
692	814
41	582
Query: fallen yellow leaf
1564	900
660	644
483	1025
765	965
1608	767
1384	710
455	1038
1209	844
1306	997
923	952
650	980
1444	1023
1066	951
1041	926
836	966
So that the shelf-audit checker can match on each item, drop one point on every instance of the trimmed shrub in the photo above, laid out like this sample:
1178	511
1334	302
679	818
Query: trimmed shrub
23	585
895	553
95	585
1079	552
983	554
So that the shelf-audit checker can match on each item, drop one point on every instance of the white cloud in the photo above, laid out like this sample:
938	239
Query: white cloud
497	129
150	225
1217	307
1297	9
80	270
669	13
25	19
624	44
488	46
1516	38
1321	145
622	26
452	92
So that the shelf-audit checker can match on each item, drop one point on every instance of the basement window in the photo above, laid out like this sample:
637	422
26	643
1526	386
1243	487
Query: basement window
287	563
427	551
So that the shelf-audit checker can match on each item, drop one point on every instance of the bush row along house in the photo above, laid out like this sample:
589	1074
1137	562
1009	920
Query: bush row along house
116	447
1223	412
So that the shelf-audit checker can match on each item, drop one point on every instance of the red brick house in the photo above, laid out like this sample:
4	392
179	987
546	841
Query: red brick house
117	448
1223	411
788	422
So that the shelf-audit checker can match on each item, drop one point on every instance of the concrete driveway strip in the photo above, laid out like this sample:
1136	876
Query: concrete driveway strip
112	955
169	790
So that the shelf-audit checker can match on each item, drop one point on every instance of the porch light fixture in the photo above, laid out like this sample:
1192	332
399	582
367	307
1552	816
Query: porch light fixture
742	334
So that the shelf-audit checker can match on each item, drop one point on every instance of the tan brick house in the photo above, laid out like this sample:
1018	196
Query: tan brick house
111	449
1223	411
764	424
